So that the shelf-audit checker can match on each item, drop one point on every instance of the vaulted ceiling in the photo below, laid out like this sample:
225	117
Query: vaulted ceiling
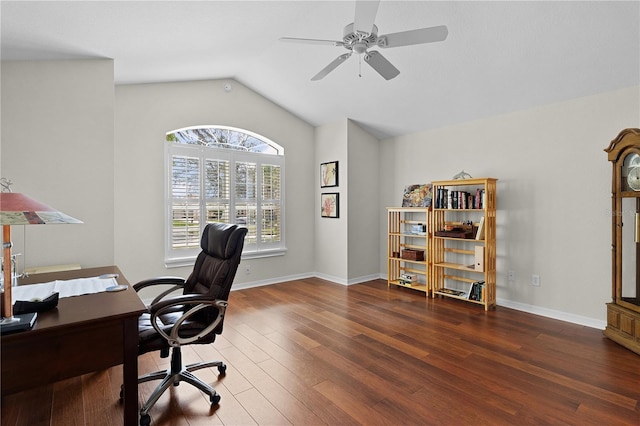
498	57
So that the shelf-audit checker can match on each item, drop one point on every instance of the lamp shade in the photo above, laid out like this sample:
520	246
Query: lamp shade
19	209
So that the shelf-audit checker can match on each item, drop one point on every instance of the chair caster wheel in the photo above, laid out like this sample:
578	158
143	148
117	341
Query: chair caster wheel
222	369
145	420
215	398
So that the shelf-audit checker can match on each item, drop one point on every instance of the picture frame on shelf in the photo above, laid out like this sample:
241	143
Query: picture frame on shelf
418	195
329	174
330	205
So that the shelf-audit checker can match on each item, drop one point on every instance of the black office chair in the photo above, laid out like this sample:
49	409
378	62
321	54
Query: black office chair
193	317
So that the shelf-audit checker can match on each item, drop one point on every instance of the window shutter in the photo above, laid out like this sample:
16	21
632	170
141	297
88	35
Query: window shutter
185	195
221	174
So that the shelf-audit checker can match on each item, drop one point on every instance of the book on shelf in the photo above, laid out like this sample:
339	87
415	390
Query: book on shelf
418	229
451	291
458	199
408	279
480	231
476	291
467	294
472	292
479	199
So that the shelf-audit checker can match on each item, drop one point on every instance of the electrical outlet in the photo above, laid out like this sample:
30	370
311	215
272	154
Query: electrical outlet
535	280
511	276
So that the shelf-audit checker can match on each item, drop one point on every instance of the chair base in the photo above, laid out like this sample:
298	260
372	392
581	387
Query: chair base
173	376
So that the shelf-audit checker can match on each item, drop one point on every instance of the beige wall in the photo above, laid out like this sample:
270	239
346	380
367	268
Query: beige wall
554	193
330	235
363	198
72	140
144	113
57	147
347	248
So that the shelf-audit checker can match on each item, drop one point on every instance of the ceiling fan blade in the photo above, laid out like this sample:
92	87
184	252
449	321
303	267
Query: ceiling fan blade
406	38
333	65
365	16
381	65
312	41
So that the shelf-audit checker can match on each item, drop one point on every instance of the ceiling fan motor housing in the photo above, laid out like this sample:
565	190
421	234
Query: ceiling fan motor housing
357	41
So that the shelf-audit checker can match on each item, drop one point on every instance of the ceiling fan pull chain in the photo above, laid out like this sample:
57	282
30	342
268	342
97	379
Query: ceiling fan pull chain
360	66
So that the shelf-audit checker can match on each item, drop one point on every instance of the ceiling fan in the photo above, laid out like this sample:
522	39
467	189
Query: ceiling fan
362	34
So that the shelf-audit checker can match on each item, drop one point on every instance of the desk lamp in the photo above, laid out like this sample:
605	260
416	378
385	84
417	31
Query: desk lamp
19	209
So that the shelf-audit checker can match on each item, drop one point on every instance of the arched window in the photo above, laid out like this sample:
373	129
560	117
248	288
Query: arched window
223	174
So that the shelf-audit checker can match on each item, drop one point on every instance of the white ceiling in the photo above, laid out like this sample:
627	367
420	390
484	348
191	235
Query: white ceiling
498	57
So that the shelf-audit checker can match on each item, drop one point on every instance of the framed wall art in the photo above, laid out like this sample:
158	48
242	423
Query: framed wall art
330	205
329	174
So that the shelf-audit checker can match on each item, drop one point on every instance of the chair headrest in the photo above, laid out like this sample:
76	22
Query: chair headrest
215	240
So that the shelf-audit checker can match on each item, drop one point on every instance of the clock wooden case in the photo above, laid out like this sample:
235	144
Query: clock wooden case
623	312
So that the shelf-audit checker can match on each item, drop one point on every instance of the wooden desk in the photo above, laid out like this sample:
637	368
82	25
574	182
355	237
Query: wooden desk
83	334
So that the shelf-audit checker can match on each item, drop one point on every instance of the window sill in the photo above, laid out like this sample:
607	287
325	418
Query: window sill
188	261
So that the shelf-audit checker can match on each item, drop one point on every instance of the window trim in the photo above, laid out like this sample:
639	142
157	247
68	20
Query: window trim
185	257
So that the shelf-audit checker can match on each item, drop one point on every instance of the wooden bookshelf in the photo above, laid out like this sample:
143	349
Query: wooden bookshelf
460	255
409	231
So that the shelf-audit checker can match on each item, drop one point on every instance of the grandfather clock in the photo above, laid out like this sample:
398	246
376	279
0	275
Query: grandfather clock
623	312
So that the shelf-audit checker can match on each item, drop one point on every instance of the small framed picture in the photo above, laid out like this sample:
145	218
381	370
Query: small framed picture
330	205
329	174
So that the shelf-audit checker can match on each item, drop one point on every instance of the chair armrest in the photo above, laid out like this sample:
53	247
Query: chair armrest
181	300
176	283
158	281
170	305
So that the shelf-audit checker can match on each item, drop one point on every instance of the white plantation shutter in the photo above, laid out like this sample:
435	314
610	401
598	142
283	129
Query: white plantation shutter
216	183
185	201
270	208
246	199
225	183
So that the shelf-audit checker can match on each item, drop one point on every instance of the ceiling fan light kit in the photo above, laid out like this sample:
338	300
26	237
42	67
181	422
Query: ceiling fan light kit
360	35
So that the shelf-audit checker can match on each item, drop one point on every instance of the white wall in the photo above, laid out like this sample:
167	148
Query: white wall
347	248
60	147
330	234
390	196
554	195
363	201
144	113
57	147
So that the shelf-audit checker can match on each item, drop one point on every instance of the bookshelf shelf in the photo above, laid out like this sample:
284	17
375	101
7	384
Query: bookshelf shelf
457	266
419	287
470	240
453	296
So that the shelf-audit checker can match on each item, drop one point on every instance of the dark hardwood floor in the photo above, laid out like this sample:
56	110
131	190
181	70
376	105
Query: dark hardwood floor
309	352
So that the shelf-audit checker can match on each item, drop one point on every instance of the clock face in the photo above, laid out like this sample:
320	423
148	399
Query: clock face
633	178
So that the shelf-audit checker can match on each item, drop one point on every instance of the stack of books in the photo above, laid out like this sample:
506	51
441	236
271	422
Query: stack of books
451	199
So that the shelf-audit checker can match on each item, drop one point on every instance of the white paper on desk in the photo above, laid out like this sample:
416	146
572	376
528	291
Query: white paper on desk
65	288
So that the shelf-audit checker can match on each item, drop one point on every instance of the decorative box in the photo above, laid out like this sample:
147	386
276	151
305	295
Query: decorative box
411	254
